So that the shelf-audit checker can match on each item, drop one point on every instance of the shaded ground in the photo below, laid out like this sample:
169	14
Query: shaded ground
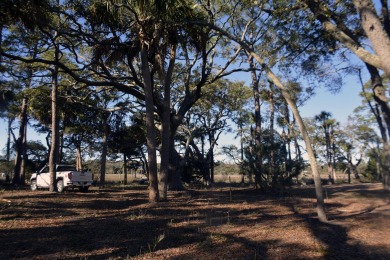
221	223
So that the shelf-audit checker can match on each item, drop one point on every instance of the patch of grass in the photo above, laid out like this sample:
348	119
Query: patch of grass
324	251
152	246
213	240
136	215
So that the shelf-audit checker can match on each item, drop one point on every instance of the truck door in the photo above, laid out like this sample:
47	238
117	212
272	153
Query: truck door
43	178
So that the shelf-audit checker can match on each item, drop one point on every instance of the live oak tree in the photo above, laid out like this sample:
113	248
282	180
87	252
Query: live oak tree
189	51
157	35
208	119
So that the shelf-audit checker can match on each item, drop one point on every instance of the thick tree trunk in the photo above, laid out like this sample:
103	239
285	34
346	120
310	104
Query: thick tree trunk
166	126
379	95
176	169
382	101
177	163
343	35
150	128
165	151
375	31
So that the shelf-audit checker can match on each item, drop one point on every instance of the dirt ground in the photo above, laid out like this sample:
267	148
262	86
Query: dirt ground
217	223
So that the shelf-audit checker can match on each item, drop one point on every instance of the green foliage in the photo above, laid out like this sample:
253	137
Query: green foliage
6	167
192	170
276	174
128	140
38	155
30	13
371	171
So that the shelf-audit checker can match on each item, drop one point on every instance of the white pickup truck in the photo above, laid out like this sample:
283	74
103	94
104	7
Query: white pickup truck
67	177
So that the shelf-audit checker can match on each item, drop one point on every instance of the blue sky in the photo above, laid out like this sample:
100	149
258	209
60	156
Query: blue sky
341	105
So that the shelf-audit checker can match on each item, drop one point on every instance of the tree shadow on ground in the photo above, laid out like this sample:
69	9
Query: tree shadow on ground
337	245
333	235
122	225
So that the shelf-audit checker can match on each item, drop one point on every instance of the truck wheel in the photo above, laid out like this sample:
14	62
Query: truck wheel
84	189
33	185
60	185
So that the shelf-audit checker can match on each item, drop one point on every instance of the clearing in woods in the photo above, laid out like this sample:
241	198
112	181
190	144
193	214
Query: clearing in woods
217	223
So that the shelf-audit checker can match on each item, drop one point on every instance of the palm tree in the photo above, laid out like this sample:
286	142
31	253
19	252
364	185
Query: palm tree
327	124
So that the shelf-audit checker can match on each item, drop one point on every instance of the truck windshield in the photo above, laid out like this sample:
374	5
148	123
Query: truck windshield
64	168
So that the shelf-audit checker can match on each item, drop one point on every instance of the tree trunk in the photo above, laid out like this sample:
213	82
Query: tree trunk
8	156
257	134
379	95
54	129
326	127
166	126
334	154
176	163
375	31
272	170
24	154
381	99
79	160
124	169
54	151
61	148
211	161
103	158
316	176
241	129
18	162
20	145
150	127
288	140
345	36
